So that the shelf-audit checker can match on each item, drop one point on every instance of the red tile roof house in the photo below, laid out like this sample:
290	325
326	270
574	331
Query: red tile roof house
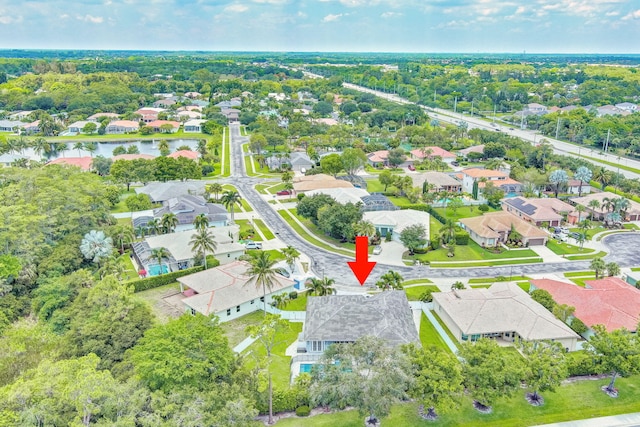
83	163
378	158
481	176
192	155
610	302
432	152
157	126
149	114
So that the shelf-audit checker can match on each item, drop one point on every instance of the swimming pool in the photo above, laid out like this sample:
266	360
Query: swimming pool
154	270
305	368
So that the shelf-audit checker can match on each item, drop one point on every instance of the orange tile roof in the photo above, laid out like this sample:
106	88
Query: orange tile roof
435	152
133	157
609	302
484	173
158	123
83	163
193	155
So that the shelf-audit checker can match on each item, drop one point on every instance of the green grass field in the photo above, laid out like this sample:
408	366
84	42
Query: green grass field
488	263
416	282
245	227
562	248
227	152
235	329
494	279
415	292
288	217
264	229
473	251
429	337
298	304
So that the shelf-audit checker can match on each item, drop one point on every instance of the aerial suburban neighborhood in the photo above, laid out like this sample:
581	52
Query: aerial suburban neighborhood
265	241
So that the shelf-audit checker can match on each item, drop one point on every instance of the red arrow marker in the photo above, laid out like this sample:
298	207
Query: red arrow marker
362	267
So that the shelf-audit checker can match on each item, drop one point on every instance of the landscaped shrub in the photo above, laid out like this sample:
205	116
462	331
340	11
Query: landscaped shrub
578	326
303	411
435	244
293	295
286	400
581	363
161	280
483	208
462	238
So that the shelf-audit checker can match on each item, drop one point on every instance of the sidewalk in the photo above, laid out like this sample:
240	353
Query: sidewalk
623	420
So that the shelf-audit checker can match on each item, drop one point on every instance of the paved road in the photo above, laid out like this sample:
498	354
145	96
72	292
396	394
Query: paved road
559	147
335	266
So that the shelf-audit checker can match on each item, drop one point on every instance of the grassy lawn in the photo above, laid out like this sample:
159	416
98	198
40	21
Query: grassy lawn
264	229
153	297
234	329
247	165
416	282
308	237
415	292
298	304
473	251
463	212
243	203
319	234
575	401
247	230
590	232
496	279
618	165
130	272
273	253
273	189
429	336
446	329
525	286
280	364
488	263
434	228
562	248
227	152
580	281
589	256
580	274
120	206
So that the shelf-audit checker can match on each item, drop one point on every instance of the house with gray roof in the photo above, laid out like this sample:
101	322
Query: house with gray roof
162	191
503	312
346	318
394	222
9	125
186	208
297	161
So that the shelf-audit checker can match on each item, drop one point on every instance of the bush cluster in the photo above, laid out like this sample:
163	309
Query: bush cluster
161	280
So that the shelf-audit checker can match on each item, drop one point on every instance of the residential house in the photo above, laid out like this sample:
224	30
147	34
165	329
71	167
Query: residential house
229	104
231	114
377	202
159	192
133	157
227	291
20	115
575	186
163	103
536	108
188	115
540	211
438	180
464	153
627	106
122	126
475	179
193	95
97	117
342	195
30	128
277	96
186	208
158	126
378	158
193	126
347	318
149	114
326	121
76	127
431	153
298	162
492	229
7	159
609	302
182	255
191	155
610	110
394	222
9	125
632	214
302	184
83	163
503	312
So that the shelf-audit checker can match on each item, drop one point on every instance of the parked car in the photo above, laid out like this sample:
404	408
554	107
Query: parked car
377	250
560	237
283	272
455	164
574	235
284	193
411	167
253	245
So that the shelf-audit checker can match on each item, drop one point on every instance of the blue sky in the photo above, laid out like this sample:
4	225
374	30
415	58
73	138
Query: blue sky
545	26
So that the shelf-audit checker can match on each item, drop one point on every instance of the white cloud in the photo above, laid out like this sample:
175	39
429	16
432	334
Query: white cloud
331	17
90	18
632	15
271	1
390	14
4	19
239	8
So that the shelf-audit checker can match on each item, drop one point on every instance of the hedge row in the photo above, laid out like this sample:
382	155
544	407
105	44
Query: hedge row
428	209
161	280
285	400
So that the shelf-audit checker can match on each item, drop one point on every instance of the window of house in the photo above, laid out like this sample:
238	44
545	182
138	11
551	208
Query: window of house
228	312
316	346
193	311
261	299
237	309
253	301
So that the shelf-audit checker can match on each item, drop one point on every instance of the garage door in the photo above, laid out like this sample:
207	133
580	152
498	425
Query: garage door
536	242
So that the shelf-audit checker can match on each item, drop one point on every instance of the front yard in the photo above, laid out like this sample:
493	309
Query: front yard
471	252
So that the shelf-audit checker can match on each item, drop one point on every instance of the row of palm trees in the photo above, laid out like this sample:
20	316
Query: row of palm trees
44	148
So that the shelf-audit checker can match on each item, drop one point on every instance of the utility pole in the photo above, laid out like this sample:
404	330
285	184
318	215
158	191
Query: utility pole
522	121
455	105
606	144
495	106
558	127
472	101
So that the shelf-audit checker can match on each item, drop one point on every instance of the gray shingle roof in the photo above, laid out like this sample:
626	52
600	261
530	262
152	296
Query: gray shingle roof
349	317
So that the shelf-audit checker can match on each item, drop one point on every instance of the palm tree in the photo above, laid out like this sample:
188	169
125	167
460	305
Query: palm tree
91	147
60	147
580	209
281	300
607	204
594	204
203	242
557	178
230	199
583	174
262	274
364	228
390	280
154	225
448	231
603	176
41	146
494	164
321	287
112	266
621	205
78	146
201	222
169	222
163	146
96	245
159	254
580	239
123	235
213	188
291	254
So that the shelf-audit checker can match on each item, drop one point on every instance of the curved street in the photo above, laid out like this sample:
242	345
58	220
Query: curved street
623	247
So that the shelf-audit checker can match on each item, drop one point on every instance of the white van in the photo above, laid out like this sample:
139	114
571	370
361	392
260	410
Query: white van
253	245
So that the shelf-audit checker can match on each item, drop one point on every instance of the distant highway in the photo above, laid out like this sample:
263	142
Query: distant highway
533	137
